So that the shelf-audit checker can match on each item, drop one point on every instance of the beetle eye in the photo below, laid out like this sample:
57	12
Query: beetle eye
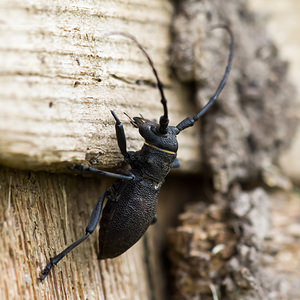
154	129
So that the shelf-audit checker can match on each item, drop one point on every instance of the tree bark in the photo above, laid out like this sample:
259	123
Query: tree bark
281	20
231	243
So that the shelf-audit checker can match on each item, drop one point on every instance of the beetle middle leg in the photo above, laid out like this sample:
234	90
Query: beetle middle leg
93	222
82	168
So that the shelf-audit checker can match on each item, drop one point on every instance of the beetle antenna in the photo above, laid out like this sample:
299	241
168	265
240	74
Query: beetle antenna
131	120
164	120
190	121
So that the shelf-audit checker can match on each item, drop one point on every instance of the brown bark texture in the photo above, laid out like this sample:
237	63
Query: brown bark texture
239	239
255	117
281	20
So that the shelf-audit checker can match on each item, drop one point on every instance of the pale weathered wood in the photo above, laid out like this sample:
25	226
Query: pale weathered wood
59	79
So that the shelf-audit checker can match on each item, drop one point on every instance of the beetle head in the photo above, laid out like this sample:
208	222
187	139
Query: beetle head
152	134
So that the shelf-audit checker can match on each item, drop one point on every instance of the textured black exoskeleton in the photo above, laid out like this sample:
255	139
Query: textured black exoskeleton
132	199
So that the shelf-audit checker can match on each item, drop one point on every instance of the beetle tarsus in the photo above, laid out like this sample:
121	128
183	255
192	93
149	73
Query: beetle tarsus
45	272
115	116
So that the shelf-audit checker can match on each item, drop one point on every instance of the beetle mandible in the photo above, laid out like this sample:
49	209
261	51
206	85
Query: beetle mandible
132	199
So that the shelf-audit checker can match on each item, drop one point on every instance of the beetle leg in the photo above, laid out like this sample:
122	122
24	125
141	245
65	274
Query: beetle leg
120	135
94	220
82	168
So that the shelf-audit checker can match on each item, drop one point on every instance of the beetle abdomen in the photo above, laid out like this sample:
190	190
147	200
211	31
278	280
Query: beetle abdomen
126	217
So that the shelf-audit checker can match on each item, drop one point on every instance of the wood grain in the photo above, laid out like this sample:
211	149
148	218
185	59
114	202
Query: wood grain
41	214
59	79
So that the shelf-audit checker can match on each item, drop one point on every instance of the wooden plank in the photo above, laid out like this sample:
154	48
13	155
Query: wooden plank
59	79
40	214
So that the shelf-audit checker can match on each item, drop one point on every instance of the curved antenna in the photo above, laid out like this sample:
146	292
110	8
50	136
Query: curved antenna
164	120
190	121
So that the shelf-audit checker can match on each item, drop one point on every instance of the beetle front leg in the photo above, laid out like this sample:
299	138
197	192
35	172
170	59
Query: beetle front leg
120	135
94	220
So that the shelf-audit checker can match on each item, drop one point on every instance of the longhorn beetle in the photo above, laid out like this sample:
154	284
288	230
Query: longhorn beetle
132	199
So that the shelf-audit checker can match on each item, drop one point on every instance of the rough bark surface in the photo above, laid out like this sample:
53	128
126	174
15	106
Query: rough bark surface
281	20
246	250
254	120
232	243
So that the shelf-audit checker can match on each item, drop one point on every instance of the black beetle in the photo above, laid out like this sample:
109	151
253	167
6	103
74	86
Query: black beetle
132	199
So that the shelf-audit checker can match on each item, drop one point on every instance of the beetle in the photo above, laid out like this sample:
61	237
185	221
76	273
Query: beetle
132	200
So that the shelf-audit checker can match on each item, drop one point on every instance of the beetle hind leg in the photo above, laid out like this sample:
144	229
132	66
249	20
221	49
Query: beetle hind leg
94	220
